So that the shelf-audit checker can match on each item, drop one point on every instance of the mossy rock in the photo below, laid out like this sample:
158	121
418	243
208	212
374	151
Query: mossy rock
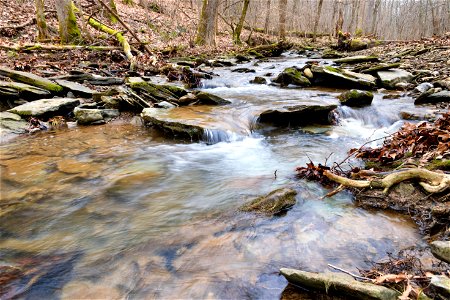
292	76
356	98
330	53
357	44
273	203
258	80
31	79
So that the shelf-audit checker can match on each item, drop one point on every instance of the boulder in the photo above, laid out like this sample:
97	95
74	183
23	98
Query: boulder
390	78
14	90
356	59
210	99
77	89
258	80
431	96
31	79
273	203
356	98
87	116
336	283
330	53
156	92
331	76
441	250
298	115
292	76
163	119
46	108
307	72
357	44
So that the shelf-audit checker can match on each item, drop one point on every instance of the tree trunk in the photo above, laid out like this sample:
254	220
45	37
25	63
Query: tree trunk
40	20
434	20
282	19
68	28
240	24
266	23
373	27
206	32
354	15
340	19
112	5
316	22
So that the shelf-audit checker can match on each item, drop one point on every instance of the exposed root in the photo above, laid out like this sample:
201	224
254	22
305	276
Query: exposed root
432	182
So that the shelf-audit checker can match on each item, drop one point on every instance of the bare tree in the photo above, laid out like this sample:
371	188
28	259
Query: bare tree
266	23
206	32
282	19
316	22
40	20
240	24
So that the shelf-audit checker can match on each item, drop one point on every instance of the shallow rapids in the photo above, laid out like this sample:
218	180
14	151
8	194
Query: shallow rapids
129	213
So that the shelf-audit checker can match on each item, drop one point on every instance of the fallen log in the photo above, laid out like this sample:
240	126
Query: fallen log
120	38
432	182
52	47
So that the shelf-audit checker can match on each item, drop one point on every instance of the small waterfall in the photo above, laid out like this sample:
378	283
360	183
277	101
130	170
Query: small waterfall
214	136
369	115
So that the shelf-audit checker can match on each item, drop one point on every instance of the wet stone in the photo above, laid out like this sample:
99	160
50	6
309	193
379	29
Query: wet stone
272	203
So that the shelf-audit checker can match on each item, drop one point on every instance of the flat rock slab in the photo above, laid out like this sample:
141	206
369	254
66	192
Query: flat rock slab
356	59
16	90
331	76
390	78
426	97
298	114
31	79
46	108
338	284
77	89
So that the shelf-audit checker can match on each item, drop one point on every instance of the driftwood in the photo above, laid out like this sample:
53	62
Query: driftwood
432	182
42	47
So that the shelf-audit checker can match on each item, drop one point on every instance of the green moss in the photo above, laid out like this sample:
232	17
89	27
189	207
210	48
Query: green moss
438	164
73	32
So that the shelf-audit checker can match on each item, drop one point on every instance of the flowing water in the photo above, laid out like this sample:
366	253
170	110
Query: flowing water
119	211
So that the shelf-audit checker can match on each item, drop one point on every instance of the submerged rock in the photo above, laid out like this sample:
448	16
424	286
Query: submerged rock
46	108
390	78
356	98
441	250
258	80
31	79
298	115
272	203
292	76
431	96
338	284
331	76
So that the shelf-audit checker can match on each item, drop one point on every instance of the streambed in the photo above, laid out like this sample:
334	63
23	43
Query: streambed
141	215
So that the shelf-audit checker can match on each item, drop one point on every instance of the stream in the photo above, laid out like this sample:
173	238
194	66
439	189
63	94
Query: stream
125	212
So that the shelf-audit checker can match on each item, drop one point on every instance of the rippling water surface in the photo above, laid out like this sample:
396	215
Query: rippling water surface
120	211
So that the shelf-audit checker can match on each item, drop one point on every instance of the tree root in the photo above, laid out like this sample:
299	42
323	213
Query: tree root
432	182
